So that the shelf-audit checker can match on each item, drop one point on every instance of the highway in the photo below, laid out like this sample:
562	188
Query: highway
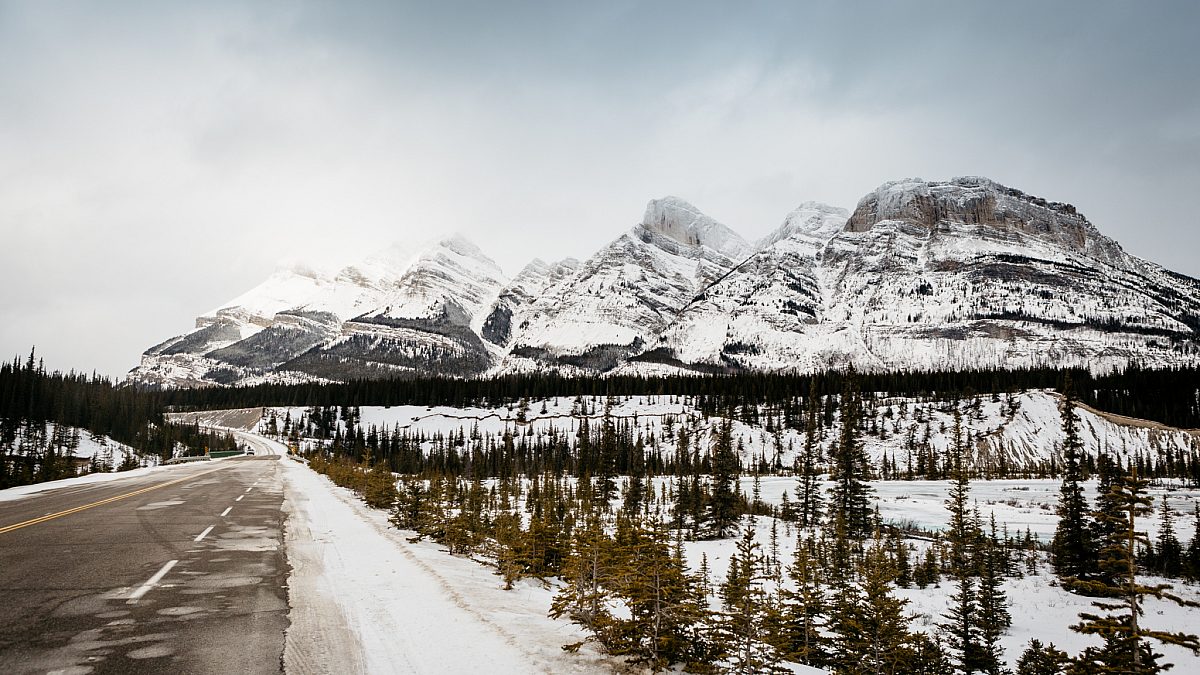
182	570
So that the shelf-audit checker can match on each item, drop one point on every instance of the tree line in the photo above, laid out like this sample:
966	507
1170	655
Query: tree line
1169	396
31	398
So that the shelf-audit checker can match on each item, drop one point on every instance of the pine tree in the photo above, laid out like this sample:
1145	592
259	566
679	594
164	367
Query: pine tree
1107	517
379	490
961	626
1126	647
870	630
1072	547
608	457
1168	552
584	597
850	496
722	508
994	618
801	636
742	637
1192	560
1039	659
662	602
808	492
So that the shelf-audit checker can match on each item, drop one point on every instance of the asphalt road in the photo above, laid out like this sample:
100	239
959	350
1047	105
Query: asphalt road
179	571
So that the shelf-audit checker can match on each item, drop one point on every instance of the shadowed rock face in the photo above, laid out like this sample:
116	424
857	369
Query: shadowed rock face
993	210
515	298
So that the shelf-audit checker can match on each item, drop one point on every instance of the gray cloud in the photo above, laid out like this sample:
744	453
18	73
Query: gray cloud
157	159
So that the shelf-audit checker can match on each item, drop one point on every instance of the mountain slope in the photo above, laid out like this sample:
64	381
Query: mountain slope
621	298
429	320
964	273
390	314
758	314
969	273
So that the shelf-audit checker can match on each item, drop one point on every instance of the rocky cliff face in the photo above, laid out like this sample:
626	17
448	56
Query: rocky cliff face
513	303
964	273
619	300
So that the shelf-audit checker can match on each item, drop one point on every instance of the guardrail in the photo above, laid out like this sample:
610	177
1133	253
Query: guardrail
186	460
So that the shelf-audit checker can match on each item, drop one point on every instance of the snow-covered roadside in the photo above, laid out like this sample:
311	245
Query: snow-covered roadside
21	491
365	600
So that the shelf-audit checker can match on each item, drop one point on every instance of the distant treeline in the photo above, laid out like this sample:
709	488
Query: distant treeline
31	397
1169	396
132	415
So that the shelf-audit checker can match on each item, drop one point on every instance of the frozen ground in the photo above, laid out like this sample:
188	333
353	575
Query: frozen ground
365	600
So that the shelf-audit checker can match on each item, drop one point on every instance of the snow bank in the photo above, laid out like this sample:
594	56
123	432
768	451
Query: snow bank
365	600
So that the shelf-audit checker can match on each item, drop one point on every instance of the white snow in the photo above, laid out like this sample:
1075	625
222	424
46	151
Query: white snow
365	600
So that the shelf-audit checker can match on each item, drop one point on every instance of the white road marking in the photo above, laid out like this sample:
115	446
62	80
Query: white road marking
145	588
249	489
239	498
203	534
226	511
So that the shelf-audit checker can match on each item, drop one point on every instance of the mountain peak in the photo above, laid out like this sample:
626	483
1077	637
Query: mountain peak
677	219
811	220
967	199
460	244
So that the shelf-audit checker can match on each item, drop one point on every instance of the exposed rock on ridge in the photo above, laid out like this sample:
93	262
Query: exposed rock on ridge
964	273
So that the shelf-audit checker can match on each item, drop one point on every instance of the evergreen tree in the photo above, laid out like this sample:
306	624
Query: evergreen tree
961	627
850	496
994	618
608	457
584	597
1126	647
1073	549
742	637
1039	659
808	492
801	634
379	490
662	602
1168	552
722	507
870	630
1192	560
1107	517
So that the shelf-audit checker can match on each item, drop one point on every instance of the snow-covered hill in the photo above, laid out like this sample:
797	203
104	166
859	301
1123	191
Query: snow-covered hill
75	451
944	274
1005	435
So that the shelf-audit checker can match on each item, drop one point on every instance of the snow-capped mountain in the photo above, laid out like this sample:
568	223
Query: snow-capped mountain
971	273
391	314
953	274
943	274
621	299
766	306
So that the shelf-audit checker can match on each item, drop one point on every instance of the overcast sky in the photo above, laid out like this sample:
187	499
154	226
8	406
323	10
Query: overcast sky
158	159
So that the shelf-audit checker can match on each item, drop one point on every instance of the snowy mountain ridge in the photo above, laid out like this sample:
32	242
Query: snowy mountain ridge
964	273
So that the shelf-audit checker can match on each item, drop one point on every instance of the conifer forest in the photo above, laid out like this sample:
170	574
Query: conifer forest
746	523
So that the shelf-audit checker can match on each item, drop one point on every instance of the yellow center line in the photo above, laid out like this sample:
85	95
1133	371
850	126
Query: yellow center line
77	509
